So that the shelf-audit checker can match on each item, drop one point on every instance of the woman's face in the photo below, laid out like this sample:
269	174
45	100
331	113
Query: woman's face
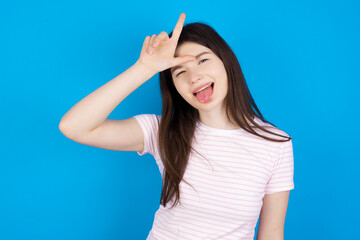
206	70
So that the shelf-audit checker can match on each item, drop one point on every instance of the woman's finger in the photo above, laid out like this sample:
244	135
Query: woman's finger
161	37
145	44
150	49
178	27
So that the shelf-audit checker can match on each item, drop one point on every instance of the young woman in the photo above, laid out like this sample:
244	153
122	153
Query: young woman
223	165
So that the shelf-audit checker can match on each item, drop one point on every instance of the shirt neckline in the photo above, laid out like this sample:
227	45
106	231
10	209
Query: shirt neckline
219	130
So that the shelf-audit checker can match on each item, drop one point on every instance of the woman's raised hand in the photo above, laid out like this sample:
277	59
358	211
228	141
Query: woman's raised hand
158	51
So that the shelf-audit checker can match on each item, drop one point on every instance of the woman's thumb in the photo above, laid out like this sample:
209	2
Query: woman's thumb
183	59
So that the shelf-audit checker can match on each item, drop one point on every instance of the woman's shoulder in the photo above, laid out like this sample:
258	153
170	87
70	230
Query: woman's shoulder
148	116
148	120
272	128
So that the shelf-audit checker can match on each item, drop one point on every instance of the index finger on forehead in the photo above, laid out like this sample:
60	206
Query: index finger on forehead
179	26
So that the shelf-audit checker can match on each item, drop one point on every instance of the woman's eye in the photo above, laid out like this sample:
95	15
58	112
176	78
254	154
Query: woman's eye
201	61
179	73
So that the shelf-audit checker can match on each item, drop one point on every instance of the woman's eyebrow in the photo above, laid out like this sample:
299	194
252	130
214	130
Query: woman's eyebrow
179	66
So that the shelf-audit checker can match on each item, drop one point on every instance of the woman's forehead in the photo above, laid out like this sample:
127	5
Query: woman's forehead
190	48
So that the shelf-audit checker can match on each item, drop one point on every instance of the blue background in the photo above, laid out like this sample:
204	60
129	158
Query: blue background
301	62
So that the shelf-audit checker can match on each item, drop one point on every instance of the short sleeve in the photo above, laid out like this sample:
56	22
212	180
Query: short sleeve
283	172
149	124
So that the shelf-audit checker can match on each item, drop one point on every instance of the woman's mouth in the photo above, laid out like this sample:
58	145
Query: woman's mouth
204	94
203	88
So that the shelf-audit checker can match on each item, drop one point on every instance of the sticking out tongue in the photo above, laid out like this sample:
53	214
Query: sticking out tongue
204	95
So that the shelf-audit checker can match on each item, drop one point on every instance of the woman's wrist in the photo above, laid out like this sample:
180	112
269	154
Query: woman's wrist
145	69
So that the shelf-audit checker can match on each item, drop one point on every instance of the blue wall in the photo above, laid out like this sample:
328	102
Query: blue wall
301	62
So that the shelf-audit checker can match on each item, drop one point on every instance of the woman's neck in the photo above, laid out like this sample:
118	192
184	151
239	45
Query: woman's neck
216	119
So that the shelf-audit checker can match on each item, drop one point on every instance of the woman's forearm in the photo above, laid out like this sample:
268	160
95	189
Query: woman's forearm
92	110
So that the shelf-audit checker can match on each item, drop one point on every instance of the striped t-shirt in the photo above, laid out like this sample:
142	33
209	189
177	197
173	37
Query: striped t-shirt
229	186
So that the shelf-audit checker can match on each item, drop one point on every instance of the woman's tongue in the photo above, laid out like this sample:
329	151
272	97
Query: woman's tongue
204	95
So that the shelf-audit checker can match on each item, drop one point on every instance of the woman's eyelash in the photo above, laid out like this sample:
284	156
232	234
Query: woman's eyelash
203	60
179	73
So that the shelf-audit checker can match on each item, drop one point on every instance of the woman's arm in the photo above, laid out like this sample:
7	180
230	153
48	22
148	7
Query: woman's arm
272	216
90	114
91	111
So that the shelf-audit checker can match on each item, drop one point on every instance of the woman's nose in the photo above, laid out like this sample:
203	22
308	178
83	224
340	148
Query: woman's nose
195	75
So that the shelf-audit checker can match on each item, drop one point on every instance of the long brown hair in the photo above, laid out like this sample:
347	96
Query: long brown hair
178	120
